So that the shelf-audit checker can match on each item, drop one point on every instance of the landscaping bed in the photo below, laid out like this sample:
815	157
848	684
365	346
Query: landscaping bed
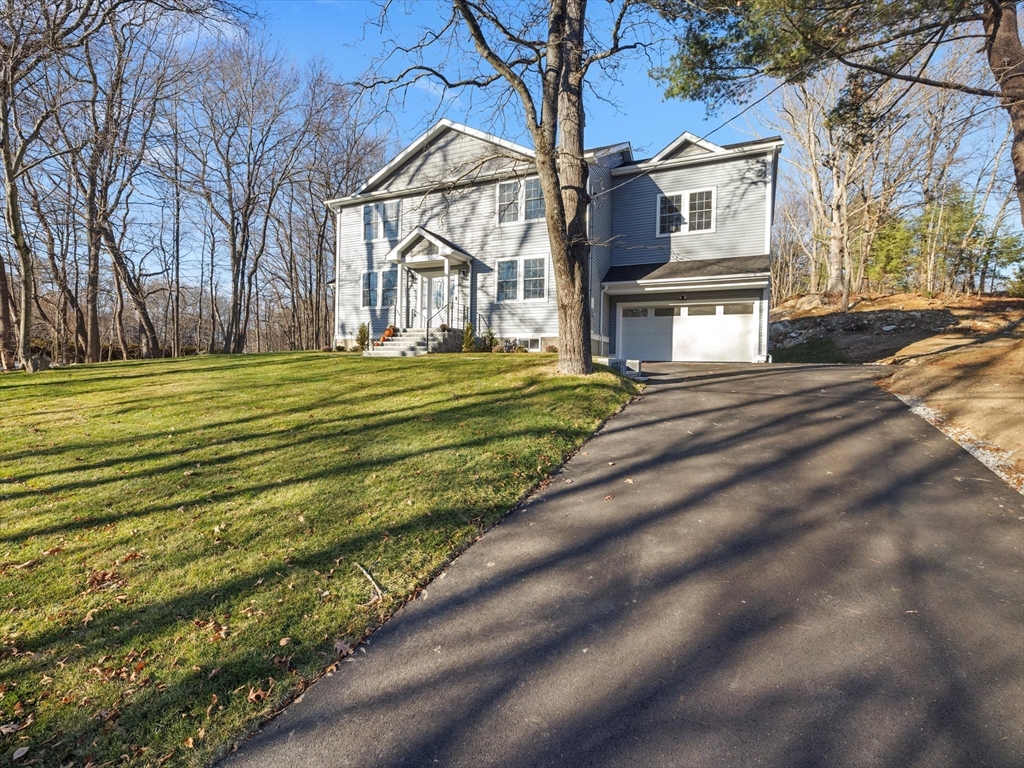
186	544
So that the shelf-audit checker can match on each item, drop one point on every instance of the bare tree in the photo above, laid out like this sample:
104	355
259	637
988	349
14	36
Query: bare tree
244	140
538	55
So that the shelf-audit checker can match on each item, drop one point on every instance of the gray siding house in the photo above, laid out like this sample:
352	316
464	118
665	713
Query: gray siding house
452	230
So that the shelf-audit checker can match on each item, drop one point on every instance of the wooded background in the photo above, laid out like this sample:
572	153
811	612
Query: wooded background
165	167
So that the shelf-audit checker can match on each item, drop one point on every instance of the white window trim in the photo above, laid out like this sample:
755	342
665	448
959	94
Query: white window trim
685	206
379	231
379	289
520	280
375	289
521	219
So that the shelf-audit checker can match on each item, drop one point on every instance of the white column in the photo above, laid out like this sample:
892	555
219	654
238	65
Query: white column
448	291
400	303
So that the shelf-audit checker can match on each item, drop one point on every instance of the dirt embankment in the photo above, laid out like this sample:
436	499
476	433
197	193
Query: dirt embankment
959	363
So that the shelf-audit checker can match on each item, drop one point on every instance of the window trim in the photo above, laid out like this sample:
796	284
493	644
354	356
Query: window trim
379	207
381	288
520	202
685	212
521	279
363	289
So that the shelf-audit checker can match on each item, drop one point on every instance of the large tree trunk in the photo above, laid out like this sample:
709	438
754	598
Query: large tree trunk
6	322
1006	58
572	269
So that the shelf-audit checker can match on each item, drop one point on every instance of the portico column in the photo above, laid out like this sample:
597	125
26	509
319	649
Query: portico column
400	309
448	290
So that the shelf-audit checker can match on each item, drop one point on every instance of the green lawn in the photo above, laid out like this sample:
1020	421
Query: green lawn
180	540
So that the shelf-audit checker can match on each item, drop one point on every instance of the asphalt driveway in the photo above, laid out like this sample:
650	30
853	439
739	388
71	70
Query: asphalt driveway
750	566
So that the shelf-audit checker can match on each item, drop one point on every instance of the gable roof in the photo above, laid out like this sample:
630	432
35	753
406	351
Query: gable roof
445	247
441	126
686	138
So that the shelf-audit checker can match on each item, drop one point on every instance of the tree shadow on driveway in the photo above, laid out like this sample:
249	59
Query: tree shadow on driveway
751	565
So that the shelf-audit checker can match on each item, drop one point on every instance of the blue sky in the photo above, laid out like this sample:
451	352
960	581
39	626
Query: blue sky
336	30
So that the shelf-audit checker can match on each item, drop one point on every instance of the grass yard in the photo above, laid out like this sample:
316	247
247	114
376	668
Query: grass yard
181	541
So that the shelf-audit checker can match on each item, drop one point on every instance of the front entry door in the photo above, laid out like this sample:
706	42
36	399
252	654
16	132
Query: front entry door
438	300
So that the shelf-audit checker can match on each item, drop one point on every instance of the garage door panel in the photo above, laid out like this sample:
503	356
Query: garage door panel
725	332
647	338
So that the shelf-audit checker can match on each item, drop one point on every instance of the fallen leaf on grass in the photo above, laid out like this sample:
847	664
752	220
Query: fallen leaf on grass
19	753
8	728
256	696
342	648
213	673
26	564
90	616
284	641
189	743
213	703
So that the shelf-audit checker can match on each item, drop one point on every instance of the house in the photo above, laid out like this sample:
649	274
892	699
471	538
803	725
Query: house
452	230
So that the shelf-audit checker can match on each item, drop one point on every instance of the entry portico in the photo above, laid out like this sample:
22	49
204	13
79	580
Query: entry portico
431	270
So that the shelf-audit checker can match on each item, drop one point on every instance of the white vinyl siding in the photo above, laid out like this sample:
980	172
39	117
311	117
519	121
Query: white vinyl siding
739	212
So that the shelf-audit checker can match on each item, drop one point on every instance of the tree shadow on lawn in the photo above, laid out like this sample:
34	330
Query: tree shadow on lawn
795	606
132	626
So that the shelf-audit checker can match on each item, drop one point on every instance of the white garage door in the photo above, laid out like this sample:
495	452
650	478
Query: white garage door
725	332
647	333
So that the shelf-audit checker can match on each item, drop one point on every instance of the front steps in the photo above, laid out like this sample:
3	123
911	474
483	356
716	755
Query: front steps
408	342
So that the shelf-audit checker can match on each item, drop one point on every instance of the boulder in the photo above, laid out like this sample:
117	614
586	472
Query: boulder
810	301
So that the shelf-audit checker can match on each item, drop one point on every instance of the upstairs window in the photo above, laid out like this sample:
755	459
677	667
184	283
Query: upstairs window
534	208
369	289
371	222
701	211
685	212
520	201
508	202
670	214
382	221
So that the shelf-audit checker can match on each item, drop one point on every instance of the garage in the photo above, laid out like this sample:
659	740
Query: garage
717	332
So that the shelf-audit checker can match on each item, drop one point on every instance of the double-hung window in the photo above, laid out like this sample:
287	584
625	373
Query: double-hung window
369	289
685	212
508	202
389	288
534	208
702	210
533	279
520	201
670	214
382	221
508	280
522	279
